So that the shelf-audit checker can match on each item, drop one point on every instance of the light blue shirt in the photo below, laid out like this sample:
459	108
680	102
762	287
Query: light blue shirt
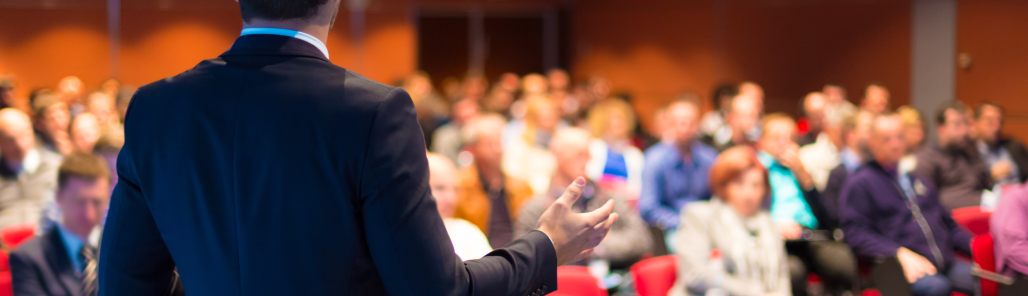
289	33
670	182
73	245
850	160
787	202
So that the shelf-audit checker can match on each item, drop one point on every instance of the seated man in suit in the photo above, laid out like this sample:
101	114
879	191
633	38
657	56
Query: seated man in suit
628	239
891	213
63	261
856	130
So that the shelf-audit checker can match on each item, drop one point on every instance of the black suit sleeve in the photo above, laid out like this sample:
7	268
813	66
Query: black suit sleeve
133	257
25	276
406	236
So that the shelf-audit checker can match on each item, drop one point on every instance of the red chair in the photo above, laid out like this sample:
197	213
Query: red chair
655	276
984	259
577	281
14	235
973	219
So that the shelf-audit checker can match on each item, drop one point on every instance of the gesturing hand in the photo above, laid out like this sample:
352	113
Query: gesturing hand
574	235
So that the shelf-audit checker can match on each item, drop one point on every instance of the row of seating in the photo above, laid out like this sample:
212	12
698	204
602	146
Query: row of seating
655	276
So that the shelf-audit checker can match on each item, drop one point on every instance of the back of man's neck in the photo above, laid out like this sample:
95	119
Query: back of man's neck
320	32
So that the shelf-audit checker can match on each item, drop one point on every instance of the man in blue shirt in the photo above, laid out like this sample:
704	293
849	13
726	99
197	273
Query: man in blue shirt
797	209
675	173
64	260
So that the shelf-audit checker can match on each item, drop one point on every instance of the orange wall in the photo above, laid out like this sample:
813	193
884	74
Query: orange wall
42	45
657	50
995	34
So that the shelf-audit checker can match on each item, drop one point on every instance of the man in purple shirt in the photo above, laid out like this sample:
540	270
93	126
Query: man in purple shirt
1010	231
887	213
675	174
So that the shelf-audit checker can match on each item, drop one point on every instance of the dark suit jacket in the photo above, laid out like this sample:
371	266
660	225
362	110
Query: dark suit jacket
271	171
41	266
830	196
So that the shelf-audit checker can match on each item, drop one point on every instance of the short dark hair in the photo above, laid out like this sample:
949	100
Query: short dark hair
723	91
279	9
978	109
940	112
82	166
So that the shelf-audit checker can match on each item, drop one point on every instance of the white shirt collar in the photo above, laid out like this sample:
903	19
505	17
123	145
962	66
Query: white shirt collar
289	33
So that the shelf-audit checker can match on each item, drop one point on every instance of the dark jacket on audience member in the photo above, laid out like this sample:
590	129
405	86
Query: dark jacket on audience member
271	171
41	267
958	173
878	219
830	197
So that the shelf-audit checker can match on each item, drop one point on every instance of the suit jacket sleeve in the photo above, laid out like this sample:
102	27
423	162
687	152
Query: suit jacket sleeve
25	276
408	241
133	257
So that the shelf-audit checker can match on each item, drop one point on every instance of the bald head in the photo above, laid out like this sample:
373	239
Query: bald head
442	178
16	136
887	139
814	107
85	131
570	147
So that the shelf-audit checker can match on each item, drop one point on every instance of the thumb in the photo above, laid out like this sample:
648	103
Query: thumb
573	192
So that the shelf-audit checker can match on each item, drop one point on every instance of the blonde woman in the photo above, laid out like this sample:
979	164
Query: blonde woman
614	163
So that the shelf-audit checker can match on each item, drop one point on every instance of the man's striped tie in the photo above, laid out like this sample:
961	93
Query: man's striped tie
89	284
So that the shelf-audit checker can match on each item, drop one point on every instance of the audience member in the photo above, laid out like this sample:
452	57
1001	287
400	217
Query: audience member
914	134
743	118
473	88
615	164
468	241
755	91
675	173
110	87
953	164
28	173
857	133
876	98
820	157
431	108
487	197
70	89
64	258
889	213
796	208
1006	157
534	84
835	94
446	140
51	122
559	84
628	239
85	131
7	85
101	105
814	111
736	226
123	99
1009	232
527	154
715	121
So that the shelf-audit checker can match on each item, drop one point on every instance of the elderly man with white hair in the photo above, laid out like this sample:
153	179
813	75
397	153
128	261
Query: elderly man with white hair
28	174
628	239
468	241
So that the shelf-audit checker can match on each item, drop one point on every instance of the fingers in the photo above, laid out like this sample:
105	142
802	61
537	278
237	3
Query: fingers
600	214
584	255
573	192
929	268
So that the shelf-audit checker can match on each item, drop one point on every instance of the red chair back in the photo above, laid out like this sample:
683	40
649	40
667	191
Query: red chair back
973	219
577	281
982	251
656	275
14	235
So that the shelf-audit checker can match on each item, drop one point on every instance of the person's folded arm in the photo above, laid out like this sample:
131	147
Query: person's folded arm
408	242
858	223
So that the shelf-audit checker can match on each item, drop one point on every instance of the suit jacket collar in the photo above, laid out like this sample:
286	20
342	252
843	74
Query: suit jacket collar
273	45
60	264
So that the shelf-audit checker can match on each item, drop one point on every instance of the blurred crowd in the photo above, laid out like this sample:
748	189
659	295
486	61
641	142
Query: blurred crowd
749	203
770	197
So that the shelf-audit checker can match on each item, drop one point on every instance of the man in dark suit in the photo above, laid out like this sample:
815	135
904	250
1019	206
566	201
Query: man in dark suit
63	261
271	171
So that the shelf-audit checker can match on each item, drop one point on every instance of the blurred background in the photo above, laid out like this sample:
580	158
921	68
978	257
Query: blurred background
924	51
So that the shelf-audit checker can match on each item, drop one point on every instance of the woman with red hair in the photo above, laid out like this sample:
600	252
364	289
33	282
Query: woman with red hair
735	225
